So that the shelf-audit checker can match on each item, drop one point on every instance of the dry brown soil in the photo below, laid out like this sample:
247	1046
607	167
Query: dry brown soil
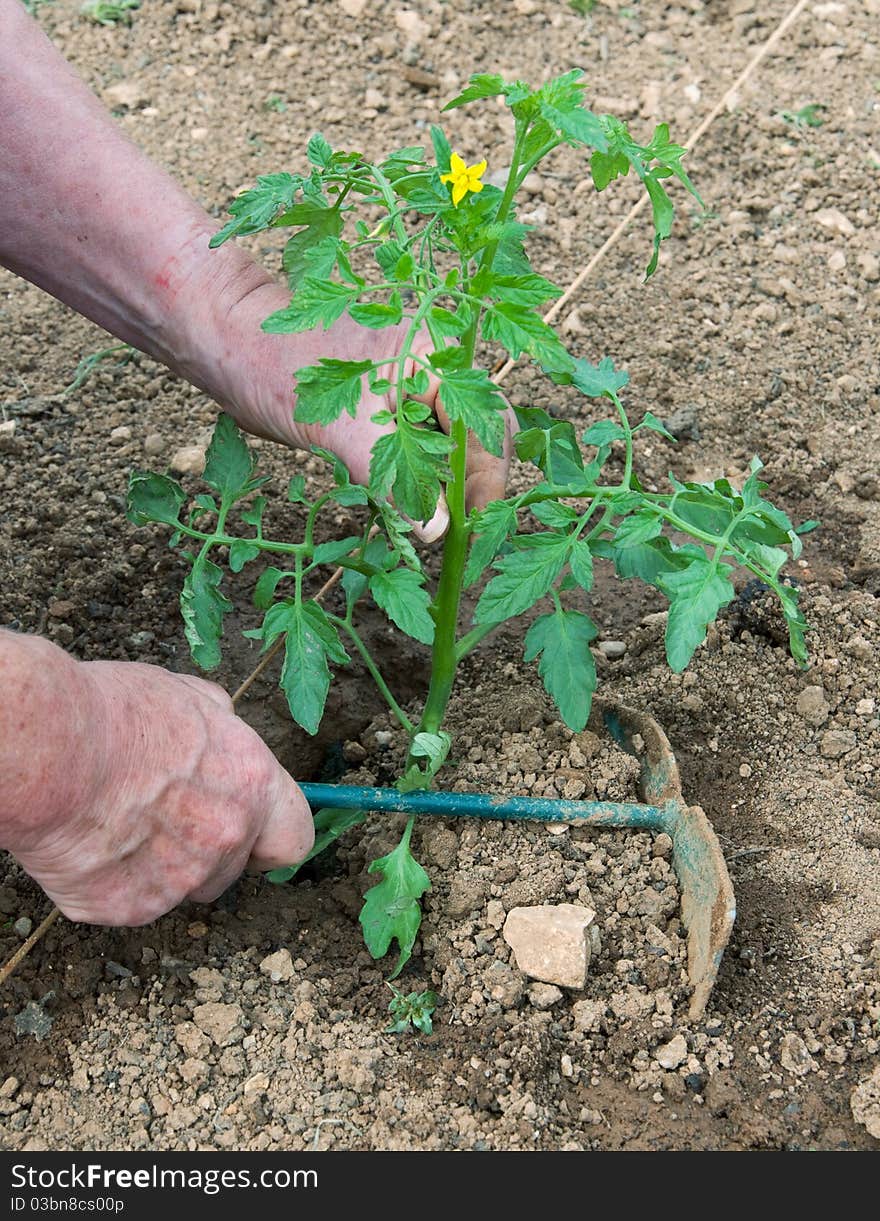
758	335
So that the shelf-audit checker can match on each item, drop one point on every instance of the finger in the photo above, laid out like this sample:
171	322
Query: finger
207	690
487	473
288	832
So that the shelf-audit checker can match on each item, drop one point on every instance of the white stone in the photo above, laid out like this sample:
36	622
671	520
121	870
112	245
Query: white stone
812	705
352	8
551	942
189	460
278	966
794	1056
129	95
673	1053
865	1103
834	219
409	21
222	1023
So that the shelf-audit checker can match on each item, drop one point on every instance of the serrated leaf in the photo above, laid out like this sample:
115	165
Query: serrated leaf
329	825
655	425
305	675
797	624
203	606
482	85
329	553
153	497
264	590
229	463
254	210
598	381
315	303
377	316
603	433
492	527
253	513
567	669
241	552
398	530
471	396
447	324
402	596
551	513
442	149
325	390
639	528
296	490
355	583
519	329
551	444
524	576
581	563
350	495
319	151
309	252
391	909
696	595
526	290
409	464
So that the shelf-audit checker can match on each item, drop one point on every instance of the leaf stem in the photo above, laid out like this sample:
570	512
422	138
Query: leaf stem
346	626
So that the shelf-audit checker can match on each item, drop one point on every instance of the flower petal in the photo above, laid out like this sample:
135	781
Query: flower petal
478	169
459	190
457	165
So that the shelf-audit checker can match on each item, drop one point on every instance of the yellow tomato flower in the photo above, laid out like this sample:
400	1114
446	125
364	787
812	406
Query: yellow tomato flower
463	177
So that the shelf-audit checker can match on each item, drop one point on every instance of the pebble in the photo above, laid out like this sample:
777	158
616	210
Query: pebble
865	1103
684	421
118	436
154	443
865	708
794	1056
23	926
812	705
189	460
278	966
834	219
612	649
129	95
543	996
588	1015
673	1053
375	100
837	742
551	942
352	8
837	260
7	435
409	21
869	265
221	1023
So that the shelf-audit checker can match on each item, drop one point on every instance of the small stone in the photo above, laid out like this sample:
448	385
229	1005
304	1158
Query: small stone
189	460
837	742
834	219
860	648
837	260
127	95
663	846
23	926
673	1053
258	1084
543	996
224	1024
794	1056
7	436
612	649
505	985
684	421
409	21
9	1088
465	896
865	1103
869	265
588	1015
197	929
375	100
116	970
118	436
551	942
631	1004
812	706
60	608
565	1066
154	443
745	770
278	966
353	752
352	8
865	708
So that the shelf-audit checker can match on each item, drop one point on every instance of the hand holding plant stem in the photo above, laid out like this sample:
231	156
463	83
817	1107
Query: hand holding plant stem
451	265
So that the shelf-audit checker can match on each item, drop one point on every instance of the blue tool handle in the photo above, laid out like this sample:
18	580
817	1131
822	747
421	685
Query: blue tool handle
485	805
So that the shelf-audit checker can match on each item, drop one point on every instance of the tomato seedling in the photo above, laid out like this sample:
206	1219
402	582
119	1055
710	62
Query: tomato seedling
448	258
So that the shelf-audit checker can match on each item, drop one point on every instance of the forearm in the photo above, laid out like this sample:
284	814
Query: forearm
46	716
88	217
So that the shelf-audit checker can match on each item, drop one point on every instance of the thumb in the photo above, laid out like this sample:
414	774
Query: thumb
288	832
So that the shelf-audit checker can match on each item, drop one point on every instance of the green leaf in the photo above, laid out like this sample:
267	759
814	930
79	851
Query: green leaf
296	490
567	668
402	596
305	677
576	125
696	595
398	530
553	514
471	396
409	464
316	303
524	576
378	316
525	290
551	444
264	590
355	583
391	909
203	606
797	624
447	324
253	513
319	151
254	210
309	252
639	528
329	825
598	381
416	1009
153	498
519	330
482	85
229	464
650	421
442	149
329	553
603	433
581	564
325	390
492	527
241	552
432	746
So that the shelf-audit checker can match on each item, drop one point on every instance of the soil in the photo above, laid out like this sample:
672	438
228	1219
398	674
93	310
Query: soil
758	335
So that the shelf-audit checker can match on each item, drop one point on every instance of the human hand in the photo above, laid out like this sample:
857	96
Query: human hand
174	797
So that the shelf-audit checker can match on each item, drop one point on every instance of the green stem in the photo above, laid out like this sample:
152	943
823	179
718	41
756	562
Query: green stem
345	625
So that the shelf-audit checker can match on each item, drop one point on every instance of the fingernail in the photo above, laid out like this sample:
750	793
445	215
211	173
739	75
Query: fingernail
431	530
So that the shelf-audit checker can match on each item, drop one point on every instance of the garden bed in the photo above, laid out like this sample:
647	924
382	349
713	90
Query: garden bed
756	336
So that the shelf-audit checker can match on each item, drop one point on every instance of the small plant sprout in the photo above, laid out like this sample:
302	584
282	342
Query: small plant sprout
87	365
110	12
808	116
411	1011
448	258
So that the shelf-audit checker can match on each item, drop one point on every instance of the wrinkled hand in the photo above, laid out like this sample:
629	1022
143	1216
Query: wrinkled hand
258	389
178	797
